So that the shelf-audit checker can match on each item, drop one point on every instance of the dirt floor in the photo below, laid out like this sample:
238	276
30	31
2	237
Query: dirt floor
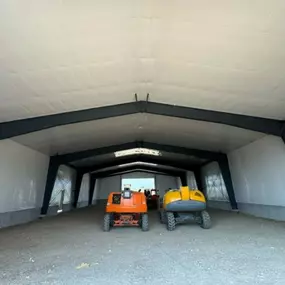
72	249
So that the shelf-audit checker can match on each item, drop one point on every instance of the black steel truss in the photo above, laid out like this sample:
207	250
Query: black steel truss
136	168
133	159
76	156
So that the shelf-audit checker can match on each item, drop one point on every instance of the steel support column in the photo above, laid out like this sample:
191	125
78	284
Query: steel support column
283	132
226	173
92	181
51	177
78	182
183	178
198	178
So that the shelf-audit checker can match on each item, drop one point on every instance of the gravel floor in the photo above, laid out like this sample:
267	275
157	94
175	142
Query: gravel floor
72	249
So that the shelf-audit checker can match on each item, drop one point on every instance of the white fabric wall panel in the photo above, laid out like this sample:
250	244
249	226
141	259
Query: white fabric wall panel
84	189
258	172
108	185
22	177
213	183
96	191
65	180
191	180
164	182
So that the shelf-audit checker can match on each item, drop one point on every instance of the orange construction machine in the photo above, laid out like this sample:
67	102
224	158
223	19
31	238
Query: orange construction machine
126	208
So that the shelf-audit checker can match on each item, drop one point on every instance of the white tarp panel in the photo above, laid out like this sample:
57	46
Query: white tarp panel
258	172
84	189
64	184
213	183
108	185
22	177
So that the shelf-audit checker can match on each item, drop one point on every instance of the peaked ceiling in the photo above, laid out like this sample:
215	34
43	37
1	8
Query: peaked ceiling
59	56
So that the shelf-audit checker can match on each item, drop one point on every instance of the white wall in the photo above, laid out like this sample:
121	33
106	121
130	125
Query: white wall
213	183
258	172
22	177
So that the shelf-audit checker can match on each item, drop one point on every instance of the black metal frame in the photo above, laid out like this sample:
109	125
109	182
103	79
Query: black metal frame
136	158
135	168
198	178
76	156
19	127
283	133
92	183
78	182
24	126
51	177
183	179
226	173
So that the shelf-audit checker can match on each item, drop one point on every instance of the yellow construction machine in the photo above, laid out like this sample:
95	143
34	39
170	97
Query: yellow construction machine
184	205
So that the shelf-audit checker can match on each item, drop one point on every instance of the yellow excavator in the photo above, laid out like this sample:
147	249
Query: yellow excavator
184	205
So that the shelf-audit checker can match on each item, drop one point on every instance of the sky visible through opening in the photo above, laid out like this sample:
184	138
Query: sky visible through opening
139	183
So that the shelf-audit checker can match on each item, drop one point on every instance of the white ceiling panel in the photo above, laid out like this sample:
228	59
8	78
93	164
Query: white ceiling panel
150	128
58	56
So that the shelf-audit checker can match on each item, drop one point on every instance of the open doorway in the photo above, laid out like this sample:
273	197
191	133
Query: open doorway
136	184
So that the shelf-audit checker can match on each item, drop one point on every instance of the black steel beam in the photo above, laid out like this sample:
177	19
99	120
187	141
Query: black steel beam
92	182
76	156
263	125
79	155
51	177
135	168
136	158
78	183
226	173
24	126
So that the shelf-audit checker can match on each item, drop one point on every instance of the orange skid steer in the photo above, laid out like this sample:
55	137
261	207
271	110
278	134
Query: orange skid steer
126	208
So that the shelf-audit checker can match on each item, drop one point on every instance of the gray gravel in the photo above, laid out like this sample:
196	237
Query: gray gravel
72	249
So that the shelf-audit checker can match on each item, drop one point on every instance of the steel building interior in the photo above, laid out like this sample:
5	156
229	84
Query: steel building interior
190	93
